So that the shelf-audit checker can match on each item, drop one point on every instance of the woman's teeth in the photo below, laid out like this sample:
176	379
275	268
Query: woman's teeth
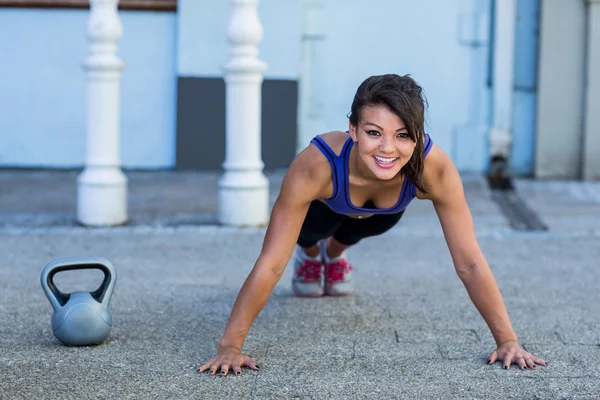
384	160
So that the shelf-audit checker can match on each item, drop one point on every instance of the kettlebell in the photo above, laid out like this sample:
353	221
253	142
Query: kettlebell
80	318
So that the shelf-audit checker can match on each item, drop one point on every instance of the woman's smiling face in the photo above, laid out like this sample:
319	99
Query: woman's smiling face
383	144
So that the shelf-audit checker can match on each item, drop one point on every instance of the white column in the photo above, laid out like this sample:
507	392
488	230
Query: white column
504	48
243	188
591	145
102	186
310	103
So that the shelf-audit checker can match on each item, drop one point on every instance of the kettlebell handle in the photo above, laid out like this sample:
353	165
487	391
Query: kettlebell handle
58	298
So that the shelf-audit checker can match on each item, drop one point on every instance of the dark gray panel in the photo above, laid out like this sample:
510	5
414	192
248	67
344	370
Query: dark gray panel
279	110
201	123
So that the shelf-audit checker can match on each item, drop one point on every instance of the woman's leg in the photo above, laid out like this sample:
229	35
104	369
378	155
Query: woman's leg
320	223
338	271
352	230
334	248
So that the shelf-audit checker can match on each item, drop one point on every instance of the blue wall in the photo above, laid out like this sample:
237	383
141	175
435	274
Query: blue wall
42	90
443	45
202	37
524	98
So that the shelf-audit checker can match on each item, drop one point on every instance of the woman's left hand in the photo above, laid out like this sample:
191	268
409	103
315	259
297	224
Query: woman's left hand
510	352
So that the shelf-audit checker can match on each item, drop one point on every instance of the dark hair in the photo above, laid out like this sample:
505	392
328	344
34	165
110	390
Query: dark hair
405	98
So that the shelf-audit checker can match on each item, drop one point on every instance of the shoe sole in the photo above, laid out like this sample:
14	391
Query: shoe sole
308	295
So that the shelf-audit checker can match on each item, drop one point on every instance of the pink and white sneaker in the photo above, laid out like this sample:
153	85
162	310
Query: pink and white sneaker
338	275
308	275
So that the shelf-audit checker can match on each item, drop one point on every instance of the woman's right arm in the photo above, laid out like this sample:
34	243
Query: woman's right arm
305	181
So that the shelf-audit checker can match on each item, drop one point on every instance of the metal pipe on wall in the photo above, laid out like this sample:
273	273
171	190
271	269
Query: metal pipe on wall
503	78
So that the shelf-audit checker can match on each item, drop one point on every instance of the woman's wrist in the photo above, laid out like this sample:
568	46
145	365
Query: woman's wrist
505	339
230	343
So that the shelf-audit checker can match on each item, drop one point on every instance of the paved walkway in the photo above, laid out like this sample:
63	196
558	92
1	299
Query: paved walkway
410	332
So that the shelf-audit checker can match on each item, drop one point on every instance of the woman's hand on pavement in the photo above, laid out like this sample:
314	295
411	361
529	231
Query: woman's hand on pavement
228	359
510	352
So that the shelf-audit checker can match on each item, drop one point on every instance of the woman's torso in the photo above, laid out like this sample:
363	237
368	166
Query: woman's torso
351	194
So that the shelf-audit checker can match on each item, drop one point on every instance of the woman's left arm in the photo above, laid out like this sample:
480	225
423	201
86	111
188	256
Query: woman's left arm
445	189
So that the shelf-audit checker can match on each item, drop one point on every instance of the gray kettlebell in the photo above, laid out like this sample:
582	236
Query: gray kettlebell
80	318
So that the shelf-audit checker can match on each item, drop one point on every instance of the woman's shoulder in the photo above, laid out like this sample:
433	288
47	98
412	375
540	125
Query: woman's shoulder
335	140
436	161
435	165
312	167
312	157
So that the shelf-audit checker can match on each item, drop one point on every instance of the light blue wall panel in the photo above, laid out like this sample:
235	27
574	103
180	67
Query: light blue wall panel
149	89
470	141
524	100
424	39
202	37
42	90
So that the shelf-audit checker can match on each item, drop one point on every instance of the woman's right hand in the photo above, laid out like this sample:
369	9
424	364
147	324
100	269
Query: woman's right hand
228	358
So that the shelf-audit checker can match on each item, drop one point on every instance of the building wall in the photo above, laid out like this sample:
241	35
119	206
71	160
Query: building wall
525	90
591	143
443	45
202	48
173	97
560	107
42	90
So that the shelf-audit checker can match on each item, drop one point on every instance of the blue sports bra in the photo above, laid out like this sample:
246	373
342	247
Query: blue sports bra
340	200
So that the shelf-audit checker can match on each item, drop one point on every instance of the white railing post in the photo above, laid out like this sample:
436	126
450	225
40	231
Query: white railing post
310	103
504	50
243	188
102	186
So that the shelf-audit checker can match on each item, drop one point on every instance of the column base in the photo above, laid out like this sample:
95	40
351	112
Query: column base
102	197
244	198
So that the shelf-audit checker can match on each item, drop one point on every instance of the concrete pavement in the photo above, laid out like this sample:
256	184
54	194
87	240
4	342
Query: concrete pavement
409	332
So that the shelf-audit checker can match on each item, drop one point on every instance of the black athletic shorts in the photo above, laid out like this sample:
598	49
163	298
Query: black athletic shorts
321	222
